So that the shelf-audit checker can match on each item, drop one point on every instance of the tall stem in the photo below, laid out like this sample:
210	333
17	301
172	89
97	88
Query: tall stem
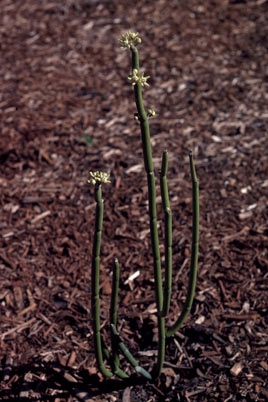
95	293
168	234
149	167
194	255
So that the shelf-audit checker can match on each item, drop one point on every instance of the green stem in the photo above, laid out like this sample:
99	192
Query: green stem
168	235
113	319
149	167
194	255
120	373
128	355
95	294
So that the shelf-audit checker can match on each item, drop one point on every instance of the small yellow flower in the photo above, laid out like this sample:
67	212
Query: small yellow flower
138	78
129	39
151	113
98	177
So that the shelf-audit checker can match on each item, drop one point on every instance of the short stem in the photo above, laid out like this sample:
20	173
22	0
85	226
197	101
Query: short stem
128	355
113	319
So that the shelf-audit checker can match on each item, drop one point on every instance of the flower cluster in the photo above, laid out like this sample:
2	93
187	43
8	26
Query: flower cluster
129	39
138	78
98	177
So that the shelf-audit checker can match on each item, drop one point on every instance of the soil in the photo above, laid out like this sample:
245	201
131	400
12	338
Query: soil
67	108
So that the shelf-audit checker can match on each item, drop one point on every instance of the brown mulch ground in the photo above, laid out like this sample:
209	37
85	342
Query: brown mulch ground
67	108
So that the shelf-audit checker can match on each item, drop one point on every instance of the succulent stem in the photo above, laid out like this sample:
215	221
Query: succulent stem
168	234
149	167
95	294
129	40
128	355
113	320
194	255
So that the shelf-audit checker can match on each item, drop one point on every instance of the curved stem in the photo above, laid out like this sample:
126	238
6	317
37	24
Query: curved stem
194	256
118	372
128	355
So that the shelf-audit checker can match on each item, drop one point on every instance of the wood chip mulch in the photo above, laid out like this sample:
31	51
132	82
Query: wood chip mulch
66	108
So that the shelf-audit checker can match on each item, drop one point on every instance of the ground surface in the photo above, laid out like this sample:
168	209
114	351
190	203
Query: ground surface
67	108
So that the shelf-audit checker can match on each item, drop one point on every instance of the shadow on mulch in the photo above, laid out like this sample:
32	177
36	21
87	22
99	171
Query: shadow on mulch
59	379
